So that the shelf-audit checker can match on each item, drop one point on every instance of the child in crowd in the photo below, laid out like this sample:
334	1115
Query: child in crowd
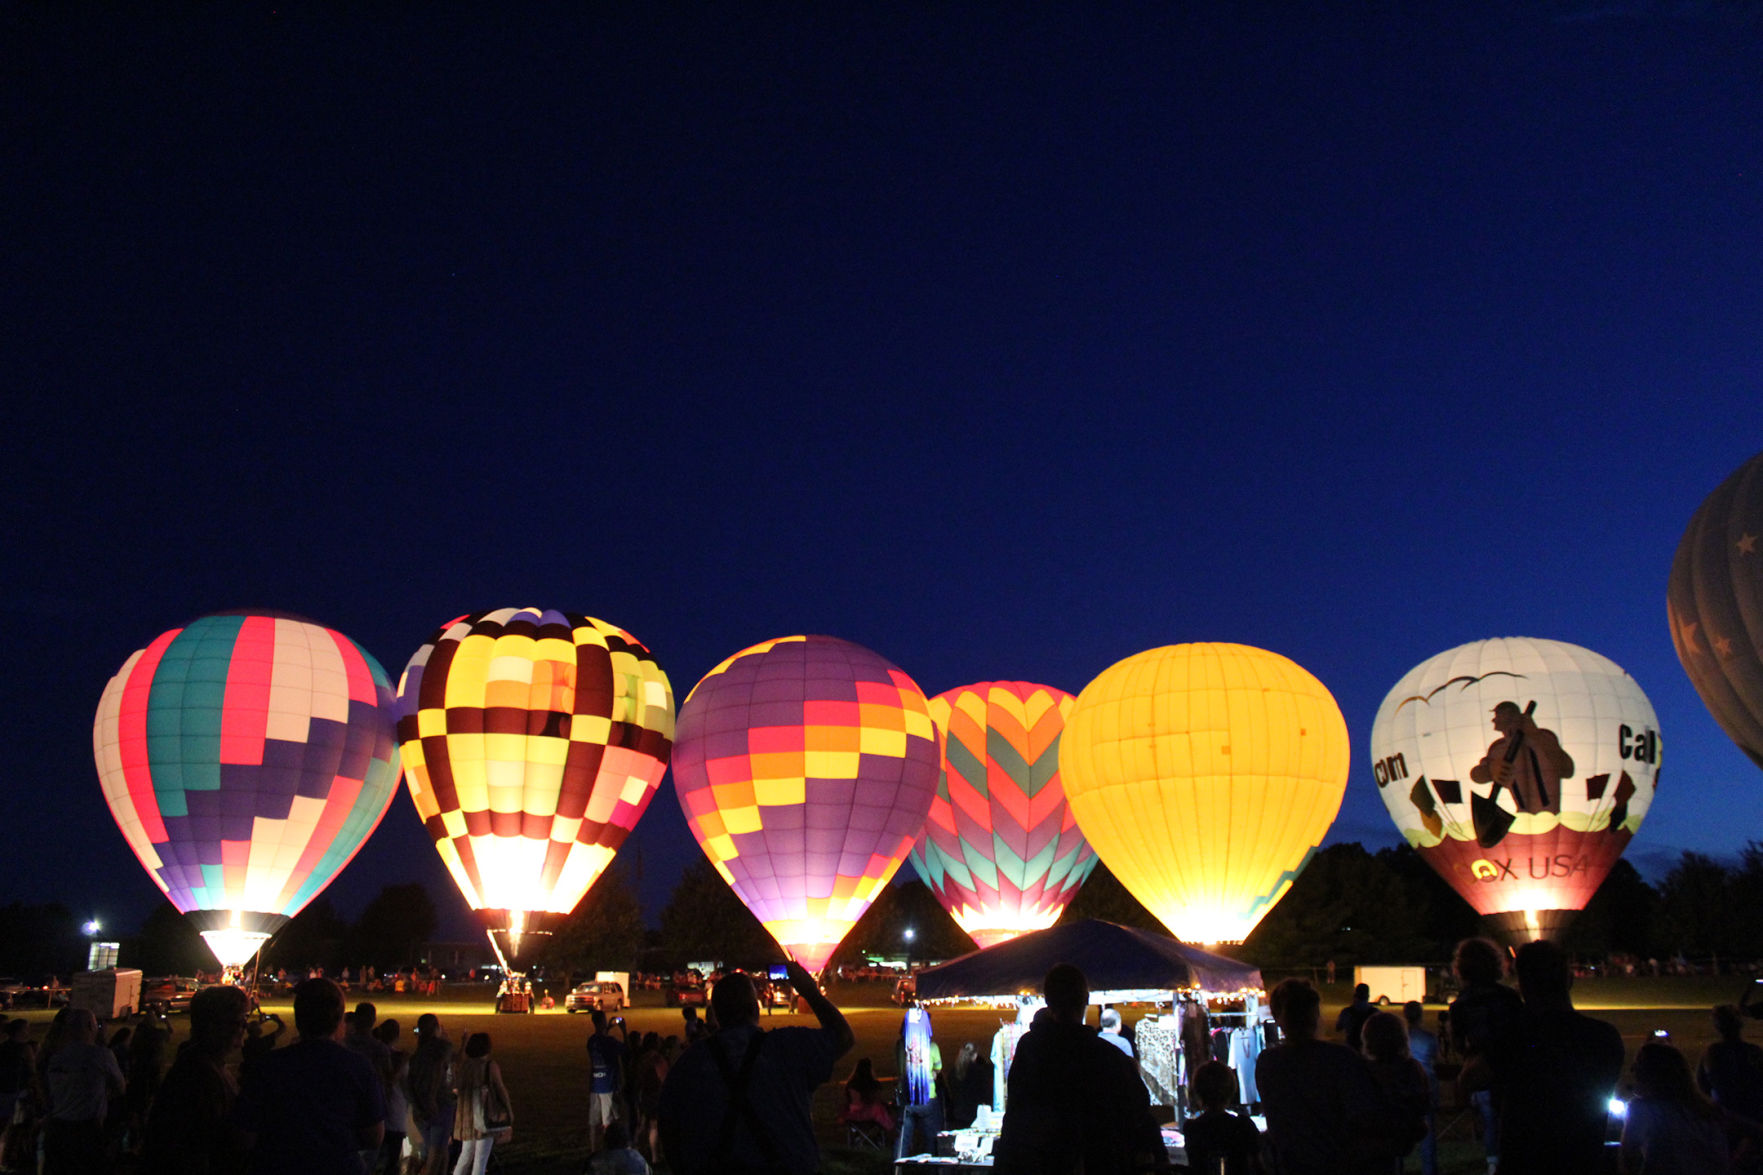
1217	1133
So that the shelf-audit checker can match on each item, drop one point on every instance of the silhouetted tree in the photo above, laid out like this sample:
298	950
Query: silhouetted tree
314	938
1696	916
703	919
167	945
1445	917
605	932
1347	906
1620	917
1102	896
37	940
393	927
882	929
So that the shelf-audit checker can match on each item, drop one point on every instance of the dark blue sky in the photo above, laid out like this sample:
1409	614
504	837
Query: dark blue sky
1005	344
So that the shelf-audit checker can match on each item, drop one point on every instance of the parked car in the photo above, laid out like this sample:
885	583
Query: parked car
602	994
11	988
687	994
168	993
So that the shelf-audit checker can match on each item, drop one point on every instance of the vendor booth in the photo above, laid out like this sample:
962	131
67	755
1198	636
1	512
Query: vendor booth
1211	1007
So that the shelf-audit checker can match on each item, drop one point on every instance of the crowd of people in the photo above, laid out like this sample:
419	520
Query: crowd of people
330	1102
728	1096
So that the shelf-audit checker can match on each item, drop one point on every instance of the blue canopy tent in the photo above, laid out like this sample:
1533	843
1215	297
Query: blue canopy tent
1120	963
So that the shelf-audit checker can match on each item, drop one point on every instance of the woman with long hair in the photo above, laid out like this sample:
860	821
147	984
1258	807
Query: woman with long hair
1671	1129
485	1114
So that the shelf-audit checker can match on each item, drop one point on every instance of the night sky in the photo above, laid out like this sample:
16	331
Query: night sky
1006	345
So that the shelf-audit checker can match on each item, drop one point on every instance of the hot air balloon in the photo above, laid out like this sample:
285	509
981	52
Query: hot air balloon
246	757
805	768
1520	769
1205	775
1000	848
533	741
1715	602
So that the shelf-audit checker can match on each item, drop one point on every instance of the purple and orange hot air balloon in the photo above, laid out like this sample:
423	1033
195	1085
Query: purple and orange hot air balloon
1000	848
246	758
805	767
533	741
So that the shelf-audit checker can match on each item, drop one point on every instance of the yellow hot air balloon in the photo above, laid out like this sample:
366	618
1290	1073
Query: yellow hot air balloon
1204	776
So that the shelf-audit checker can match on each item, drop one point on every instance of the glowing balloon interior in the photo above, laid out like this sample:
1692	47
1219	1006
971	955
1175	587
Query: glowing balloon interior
1715	601
1520	769
805	768
246	758
1205	775
533	741
1001	849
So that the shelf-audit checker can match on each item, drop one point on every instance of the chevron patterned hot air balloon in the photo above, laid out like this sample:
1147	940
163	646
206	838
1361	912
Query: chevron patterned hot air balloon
805	766
1000	848
246	757
533	741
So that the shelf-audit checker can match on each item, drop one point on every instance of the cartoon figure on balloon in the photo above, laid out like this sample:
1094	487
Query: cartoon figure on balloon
1527	761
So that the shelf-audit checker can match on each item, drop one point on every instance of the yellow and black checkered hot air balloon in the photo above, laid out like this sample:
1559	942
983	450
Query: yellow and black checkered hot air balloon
533	740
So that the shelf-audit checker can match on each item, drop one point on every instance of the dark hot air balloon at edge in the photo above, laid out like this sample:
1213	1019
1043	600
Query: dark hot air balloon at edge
1715	603
533	742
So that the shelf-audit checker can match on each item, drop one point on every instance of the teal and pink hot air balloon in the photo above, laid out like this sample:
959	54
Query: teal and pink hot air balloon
805	766
246	758
1001	849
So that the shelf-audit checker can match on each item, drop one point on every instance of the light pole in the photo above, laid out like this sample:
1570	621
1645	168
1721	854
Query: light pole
909	936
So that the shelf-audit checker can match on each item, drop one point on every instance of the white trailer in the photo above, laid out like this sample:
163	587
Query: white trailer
110	994
1393	985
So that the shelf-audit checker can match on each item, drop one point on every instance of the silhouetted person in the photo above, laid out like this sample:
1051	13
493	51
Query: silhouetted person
1399	1079
738	1100
1073	1101
1731	1070
313	1107
1351	1022
618	1157
1217	1133
485	1112
1558	1074
1670	1128
432	1100
1485	1015
189	1128
80	1078
974	1076
18	1064
1423	1046
606	1072
1324	1114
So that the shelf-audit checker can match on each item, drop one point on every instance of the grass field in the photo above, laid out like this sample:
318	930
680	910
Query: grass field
543	1056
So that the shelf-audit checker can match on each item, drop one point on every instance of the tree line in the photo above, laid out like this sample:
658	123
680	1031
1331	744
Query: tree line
1349	905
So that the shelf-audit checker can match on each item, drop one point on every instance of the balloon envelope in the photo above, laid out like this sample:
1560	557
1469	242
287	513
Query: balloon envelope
1715	602
1578	774
246	758
1205	775
805	768
533	741
1001	849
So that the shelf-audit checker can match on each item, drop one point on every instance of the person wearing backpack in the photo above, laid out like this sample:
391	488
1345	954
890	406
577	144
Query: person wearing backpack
738	1101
